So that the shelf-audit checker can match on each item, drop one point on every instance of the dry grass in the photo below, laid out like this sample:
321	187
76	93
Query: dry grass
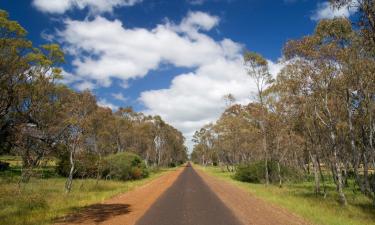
43	199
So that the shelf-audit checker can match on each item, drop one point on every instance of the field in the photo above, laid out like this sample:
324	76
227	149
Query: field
43	199
300	199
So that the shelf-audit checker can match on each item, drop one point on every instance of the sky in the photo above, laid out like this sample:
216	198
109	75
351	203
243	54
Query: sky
173	58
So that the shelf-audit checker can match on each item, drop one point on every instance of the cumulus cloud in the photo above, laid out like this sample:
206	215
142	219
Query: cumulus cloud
120	97
85	85
106	104
104	49
94	6
326	11
198	20
195	99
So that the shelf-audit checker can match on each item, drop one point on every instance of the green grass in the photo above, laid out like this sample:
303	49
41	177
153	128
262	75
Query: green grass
300	199
43	199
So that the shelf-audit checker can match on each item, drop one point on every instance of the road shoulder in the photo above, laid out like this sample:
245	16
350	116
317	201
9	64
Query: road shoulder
127	208
248	208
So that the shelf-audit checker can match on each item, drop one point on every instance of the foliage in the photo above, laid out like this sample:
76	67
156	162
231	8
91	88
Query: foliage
41	118
255	172
125	166
318	114
86	165
42	201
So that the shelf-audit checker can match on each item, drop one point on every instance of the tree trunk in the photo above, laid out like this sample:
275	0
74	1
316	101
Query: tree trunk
322	177
69	181
339	182
316	173
335	160
356	156
366	174
265	154
279	173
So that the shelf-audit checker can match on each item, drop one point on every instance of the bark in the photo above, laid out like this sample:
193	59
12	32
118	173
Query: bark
339	176
316	173
335	159
69	181
279	173
265	154
322	177
366	173
353	146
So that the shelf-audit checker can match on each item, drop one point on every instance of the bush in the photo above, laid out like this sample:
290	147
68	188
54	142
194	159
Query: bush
125	166
255	172
85	163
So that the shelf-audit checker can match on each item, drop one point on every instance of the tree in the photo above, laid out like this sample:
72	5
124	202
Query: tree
14	64
78	112
257	69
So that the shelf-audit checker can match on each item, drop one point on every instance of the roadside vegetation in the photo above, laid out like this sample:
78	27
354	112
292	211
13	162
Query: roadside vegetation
43	199
298	198
60	150
310	130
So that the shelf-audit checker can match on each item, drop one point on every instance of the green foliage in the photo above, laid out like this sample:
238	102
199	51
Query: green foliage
86	165
125	166
255	172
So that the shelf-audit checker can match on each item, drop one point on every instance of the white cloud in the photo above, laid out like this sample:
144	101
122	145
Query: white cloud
85	85
119	96
198	20
195	99
104	103
275	68
326	11
94	6
105	49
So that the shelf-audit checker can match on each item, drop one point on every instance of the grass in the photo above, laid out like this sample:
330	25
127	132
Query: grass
43	199
300	199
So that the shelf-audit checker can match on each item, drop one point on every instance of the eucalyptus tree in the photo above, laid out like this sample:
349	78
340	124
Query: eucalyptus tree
14	64
77	120
257	69
318	57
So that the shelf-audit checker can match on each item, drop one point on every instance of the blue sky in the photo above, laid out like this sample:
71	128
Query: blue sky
175	58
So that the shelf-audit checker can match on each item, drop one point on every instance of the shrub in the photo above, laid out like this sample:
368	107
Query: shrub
85	163
255	172
125	166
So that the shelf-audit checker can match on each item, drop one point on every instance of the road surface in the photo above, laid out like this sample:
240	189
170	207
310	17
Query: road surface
189	201
186	196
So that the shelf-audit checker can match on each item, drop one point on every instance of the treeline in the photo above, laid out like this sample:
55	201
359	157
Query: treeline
42	118
318	113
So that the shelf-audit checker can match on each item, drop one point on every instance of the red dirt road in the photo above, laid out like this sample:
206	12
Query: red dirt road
124	209
185	197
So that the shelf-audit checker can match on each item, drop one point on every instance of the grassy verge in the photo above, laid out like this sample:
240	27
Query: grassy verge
300	199
42	200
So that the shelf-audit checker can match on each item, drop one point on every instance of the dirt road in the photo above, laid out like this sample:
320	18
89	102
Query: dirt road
185	197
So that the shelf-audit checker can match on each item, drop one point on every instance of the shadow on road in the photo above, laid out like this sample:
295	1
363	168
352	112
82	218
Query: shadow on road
96	213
